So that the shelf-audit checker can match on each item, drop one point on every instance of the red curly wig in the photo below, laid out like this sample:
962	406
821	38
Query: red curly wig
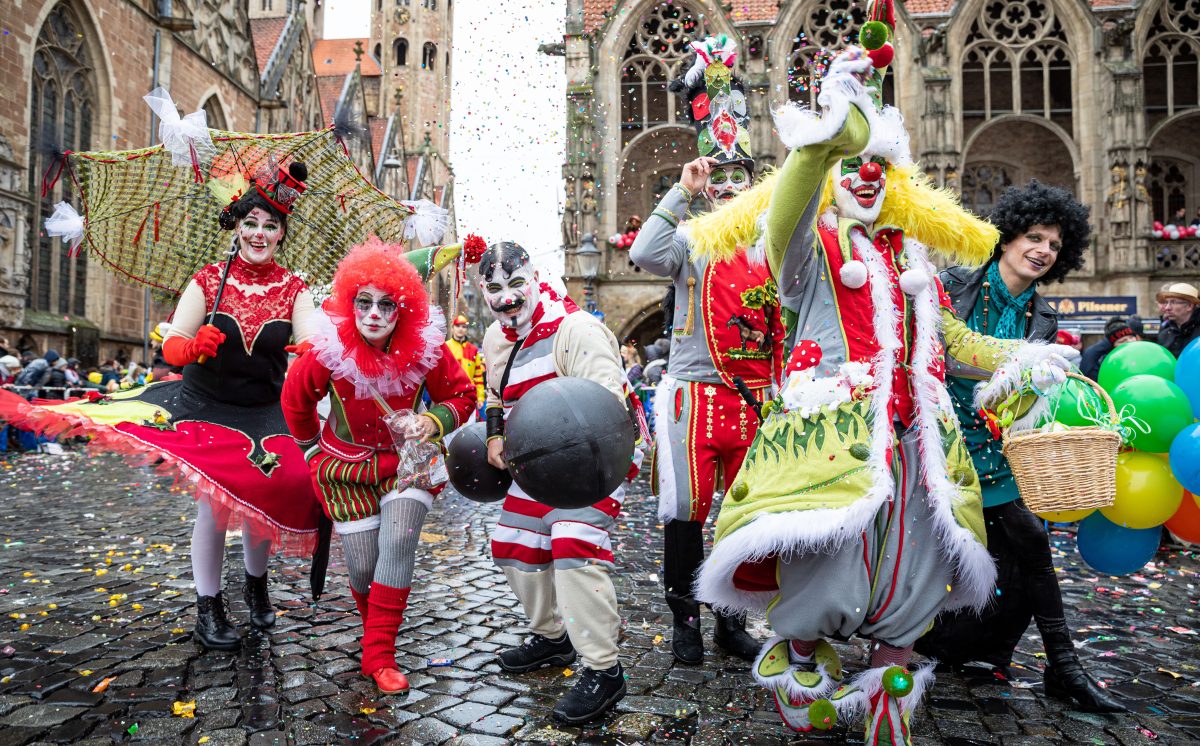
384	266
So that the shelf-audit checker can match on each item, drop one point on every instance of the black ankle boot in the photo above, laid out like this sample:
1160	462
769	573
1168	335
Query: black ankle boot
1064	676
593	695
683	546
538	651
213	629
262	616
732	637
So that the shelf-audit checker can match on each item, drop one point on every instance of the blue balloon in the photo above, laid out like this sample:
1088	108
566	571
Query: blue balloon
1110	549
1185	458
1187	374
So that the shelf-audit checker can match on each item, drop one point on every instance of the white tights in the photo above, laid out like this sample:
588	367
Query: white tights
208	551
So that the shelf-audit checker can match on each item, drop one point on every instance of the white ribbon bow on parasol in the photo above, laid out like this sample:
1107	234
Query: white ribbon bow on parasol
186	138
428	222
67	223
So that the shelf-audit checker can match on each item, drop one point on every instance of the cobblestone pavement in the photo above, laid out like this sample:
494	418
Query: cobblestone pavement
96	599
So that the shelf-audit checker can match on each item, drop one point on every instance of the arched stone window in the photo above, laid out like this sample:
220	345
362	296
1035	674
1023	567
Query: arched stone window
400	52
657	53
379	53
1169	187
63	95
1171	63
982	184
827	27
214	114
428	55
1016	59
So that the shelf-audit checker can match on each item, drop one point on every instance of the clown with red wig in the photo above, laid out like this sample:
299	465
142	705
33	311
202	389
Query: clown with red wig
378	348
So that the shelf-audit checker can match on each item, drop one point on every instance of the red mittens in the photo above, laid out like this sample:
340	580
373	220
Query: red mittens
180	351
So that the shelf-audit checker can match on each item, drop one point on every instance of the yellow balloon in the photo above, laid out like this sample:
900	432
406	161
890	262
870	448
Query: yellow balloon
1147	493
95	377
1066	516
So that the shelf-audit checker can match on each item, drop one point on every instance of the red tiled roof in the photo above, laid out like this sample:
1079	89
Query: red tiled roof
928	7
329	87
336	57
378	126
265	32
593	13
754	10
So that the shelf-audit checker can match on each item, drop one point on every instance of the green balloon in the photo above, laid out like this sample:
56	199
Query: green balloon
1136	359
1158	403
1065	403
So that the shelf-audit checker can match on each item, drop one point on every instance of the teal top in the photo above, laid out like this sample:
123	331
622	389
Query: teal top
995	477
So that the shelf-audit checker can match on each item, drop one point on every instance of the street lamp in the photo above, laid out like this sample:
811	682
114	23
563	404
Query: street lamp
391	161
589	257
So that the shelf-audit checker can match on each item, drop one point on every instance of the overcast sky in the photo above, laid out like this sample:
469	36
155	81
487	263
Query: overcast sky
507	117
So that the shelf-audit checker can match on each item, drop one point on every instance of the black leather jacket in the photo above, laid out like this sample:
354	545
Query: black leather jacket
963	286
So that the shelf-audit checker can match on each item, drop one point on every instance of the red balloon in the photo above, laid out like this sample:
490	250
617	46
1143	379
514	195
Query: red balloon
1186	522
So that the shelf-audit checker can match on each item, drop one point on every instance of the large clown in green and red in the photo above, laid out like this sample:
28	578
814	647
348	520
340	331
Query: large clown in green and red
857	509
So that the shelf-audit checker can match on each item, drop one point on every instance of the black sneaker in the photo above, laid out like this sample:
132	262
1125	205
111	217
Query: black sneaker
593	695
536	652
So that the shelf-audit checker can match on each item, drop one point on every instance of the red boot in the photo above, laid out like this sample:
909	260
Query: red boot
385	613
360	600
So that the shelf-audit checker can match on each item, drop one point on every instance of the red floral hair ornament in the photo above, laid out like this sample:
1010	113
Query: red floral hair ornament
415	345
473	248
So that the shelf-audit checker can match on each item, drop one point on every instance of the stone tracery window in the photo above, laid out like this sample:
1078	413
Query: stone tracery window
827	26
214	115
1171	62
62	115
1016	59
657	53
982	184
1169	186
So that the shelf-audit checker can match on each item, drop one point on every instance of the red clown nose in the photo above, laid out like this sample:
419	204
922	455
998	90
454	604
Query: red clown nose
870	171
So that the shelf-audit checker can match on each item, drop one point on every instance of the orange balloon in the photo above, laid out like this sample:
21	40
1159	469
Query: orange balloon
1186	522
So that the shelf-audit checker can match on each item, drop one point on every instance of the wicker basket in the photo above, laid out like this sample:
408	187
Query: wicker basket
1073	469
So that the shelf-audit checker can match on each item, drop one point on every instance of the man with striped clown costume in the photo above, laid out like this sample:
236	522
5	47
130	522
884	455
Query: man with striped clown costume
557	561
726	327
857	510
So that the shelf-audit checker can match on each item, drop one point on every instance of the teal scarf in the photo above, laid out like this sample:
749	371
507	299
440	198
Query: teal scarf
1010	323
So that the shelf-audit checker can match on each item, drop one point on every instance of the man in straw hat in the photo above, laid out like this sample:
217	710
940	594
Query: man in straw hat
1180	305
857	509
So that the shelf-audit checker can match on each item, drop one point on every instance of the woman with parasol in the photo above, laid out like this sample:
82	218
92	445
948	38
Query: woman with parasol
221	426
379	346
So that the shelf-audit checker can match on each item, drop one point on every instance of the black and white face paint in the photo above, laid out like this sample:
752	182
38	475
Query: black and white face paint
510	285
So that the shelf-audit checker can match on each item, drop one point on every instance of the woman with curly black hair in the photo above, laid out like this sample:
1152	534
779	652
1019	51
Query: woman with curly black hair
1043	233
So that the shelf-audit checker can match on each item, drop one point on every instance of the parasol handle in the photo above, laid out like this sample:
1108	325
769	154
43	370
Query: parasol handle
212	316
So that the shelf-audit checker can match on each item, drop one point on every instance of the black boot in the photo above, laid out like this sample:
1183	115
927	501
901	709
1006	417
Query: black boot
213	629
1064	676
262	616
732	637
593	695
536	652
683	546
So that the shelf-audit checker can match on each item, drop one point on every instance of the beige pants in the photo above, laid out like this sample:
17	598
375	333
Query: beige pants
581	600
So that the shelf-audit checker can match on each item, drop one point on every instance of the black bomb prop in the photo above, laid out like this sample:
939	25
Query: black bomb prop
569	442
470	472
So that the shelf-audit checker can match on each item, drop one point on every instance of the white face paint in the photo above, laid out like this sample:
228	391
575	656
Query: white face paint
512	298
375	314
859	186
258	236
726	182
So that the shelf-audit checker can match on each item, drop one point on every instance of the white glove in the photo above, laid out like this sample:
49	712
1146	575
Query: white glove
844	75
1051	371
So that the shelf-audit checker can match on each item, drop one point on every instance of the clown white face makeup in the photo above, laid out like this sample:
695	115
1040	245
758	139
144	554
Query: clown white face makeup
726	182
512	296
258	236
375	315
858	188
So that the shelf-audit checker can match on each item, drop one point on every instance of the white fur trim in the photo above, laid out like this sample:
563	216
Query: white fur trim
410	493
857	706
664	469
913	281
786	681
974	569
757	253
330	353
889	138
853	274
353	527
